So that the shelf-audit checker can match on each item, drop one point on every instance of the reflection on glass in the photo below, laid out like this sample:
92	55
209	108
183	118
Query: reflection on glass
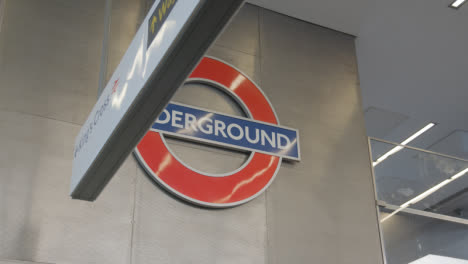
413	239
423	205
405	142
421	180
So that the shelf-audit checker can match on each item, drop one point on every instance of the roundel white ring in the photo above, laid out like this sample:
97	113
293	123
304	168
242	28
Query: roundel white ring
213	190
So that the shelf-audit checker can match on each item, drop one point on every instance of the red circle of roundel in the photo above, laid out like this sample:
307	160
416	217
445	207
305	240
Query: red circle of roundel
234	188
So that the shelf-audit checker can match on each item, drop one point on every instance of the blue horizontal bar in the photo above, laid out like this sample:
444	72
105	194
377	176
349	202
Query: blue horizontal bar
229	131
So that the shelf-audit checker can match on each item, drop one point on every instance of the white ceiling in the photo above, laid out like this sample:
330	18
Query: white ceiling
342	15
413	66
412	58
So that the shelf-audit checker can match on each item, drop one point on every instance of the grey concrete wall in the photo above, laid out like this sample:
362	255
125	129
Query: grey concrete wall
320	210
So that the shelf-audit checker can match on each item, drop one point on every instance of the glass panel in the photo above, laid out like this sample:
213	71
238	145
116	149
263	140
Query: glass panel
420	180
414	239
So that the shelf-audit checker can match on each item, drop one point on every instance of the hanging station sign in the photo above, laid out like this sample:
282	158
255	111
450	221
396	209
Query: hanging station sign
259	133
168	45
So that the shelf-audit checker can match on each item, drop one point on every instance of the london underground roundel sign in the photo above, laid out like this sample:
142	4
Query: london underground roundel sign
259	133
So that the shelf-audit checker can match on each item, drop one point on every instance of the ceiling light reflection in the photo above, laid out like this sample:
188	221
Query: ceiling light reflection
426	193
404	143
457	3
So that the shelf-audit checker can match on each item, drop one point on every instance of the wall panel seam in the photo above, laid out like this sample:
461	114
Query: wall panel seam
259	22
132	230
22	261
40	116
2	10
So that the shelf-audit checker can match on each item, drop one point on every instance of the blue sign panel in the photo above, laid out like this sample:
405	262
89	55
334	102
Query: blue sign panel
224	130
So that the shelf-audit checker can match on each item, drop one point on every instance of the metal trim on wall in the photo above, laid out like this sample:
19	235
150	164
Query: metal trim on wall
377	211
418	149
423	213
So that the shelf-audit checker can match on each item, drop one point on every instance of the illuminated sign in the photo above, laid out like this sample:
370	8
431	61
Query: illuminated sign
259	133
